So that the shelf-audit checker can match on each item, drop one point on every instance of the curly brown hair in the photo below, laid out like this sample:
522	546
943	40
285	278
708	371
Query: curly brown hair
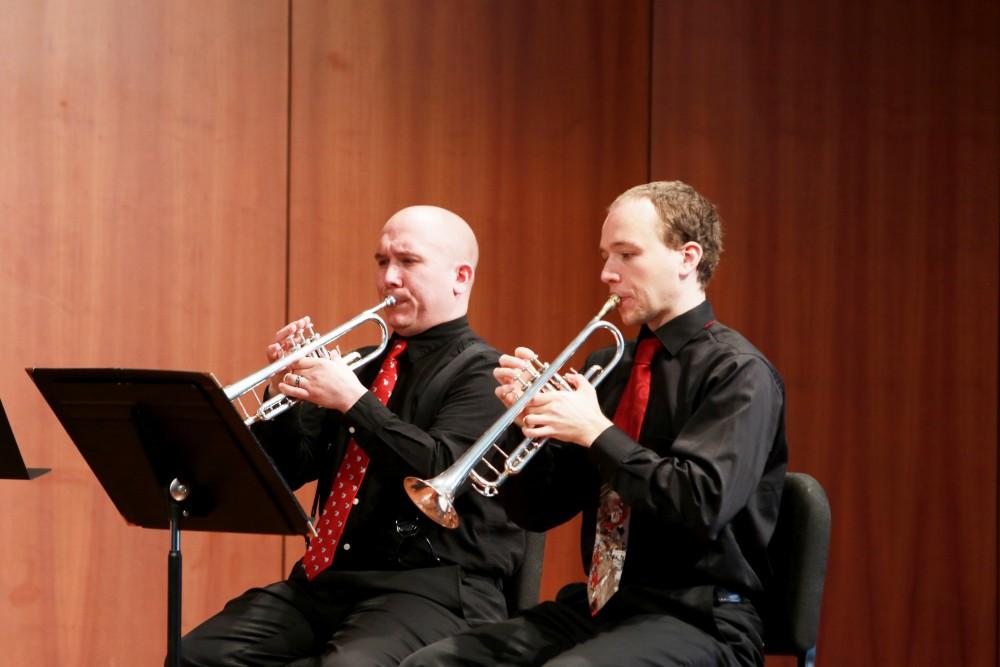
685	215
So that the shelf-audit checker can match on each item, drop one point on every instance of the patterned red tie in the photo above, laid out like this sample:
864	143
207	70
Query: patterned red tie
321	549
611	537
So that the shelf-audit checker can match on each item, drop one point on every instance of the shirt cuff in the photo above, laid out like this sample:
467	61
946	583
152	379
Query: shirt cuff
610	448
367	414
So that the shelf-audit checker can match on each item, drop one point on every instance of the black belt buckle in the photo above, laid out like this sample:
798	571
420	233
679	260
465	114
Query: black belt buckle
722	596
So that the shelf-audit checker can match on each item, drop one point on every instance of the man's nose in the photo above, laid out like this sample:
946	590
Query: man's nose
608	276
393	276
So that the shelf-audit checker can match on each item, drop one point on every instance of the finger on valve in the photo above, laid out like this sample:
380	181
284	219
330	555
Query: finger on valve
274	352
292	334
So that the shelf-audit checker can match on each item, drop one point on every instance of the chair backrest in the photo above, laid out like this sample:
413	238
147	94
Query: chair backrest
798	553
521	589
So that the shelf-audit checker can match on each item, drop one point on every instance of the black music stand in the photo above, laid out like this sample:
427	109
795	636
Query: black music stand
11	463
168	447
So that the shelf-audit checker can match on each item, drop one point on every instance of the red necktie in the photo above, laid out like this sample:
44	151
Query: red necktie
611	537
321	549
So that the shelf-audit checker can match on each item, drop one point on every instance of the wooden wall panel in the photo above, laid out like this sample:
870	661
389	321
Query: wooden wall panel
142	190
526	118
853	150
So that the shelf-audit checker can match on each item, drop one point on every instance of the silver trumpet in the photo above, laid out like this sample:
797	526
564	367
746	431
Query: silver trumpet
306	343
436	497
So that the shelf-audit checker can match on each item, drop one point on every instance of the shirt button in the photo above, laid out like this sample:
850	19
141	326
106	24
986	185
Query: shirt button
350	429
347	547
355	501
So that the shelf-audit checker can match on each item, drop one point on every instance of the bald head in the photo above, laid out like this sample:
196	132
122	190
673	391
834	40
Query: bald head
442	228
427	259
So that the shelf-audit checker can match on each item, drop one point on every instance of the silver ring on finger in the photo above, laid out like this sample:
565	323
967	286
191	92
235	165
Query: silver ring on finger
298	379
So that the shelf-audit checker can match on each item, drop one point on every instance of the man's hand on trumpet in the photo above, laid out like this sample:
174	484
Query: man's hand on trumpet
507	374
284	341
571	416
325	382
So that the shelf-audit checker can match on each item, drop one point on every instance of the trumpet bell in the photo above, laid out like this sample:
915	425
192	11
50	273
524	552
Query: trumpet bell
436	503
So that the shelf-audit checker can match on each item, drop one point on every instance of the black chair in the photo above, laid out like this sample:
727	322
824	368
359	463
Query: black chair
521	589
798	553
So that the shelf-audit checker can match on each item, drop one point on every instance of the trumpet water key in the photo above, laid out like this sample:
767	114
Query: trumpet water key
306	344
436	497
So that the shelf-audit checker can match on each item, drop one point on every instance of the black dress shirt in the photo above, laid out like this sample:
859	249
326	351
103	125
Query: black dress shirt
429	422
704	479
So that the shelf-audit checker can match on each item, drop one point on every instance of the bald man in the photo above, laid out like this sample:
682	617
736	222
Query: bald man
386	581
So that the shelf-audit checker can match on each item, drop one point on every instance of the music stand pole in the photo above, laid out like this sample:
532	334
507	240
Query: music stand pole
178	494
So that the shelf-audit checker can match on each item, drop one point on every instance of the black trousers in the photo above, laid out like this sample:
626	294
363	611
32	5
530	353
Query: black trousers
340	619
634	628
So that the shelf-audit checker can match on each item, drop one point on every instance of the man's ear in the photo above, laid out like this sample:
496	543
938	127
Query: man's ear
691	258
464	273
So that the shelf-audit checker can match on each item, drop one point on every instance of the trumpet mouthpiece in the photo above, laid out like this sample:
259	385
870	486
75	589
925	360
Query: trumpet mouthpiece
612	302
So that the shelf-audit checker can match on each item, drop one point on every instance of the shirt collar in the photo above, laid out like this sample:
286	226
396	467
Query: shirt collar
676	333
424	343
